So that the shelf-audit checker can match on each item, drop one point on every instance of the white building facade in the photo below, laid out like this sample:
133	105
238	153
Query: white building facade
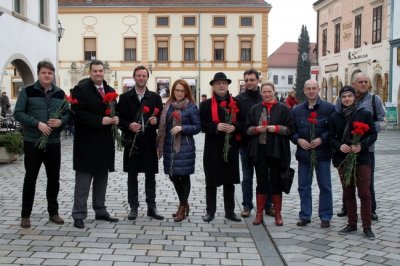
353	36
28	31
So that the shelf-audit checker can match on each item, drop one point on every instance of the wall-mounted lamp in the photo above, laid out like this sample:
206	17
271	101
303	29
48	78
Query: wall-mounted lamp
375	61
365	43
150	66
60	31
328	51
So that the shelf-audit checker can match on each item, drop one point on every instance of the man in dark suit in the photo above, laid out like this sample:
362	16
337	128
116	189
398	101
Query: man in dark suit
136	110
94	149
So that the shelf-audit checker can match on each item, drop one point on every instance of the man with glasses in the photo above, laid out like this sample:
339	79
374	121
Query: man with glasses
374	105
218	169
245	101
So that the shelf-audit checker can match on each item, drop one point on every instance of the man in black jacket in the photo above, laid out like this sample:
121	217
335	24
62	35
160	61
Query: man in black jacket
94	148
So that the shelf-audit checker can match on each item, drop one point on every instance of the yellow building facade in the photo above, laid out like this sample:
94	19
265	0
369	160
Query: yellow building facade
183	39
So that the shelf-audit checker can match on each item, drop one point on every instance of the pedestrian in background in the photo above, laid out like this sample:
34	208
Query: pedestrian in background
373	104
34	106
341	126
221	155
313	153
139	120
245	101
5	104
179	121
291	99
94	147
269	124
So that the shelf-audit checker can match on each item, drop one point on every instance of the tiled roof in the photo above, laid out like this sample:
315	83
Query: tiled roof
66	3
286	55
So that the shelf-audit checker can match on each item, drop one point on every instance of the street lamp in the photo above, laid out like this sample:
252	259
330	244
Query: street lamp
60	31
304	56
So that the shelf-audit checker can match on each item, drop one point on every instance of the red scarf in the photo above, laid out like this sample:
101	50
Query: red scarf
214	109
269	105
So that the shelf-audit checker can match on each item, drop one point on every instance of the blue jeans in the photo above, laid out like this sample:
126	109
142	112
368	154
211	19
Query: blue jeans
323	170
247	182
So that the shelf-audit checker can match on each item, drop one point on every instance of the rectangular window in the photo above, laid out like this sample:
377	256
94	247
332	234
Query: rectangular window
219	50
377	25
245	51
189	21
246	21
219	22
89	48
290	79
163	21
275	79
130	49
18	6
324	41
162	51
43	12
337	38
189	51
357	31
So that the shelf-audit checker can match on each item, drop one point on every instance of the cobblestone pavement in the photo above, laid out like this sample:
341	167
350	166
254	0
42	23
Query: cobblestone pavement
192	242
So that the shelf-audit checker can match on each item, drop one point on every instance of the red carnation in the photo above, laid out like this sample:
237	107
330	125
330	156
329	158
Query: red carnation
223	104
156	111
146	109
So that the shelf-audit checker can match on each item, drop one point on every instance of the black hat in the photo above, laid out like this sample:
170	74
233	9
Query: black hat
220	76
347	89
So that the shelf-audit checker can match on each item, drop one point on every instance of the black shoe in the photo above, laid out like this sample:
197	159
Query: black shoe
347	229
368	234
374	217
208	217
325	224
233	217
107	217
154	213
342	213
78	223
132	215
303	222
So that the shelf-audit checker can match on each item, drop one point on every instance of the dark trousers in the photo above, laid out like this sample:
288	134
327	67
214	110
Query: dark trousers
34	157
268	172
150	190
371	187
182	187
362	183
229	198
81	194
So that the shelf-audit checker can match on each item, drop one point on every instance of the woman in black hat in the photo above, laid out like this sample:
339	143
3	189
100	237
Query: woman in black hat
341	135
221	155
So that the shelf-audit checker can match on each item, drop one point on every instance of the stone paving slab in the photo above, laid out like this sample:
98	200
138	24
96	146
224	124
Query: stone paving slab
193	242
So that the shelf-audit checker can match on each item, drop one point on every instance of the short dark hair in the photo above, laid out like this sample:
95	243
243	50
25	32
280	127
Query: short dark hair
140	68
46	64
251	71
204	95
95	62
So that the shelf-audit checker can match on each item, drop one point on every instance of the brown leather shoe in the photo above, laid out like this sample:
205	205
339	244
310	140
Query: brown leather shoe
56	219
245	213
270	212
25	222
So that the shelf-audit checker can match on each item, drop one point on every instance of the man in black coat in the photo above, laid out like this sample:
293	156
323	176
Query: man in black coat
94	149
139	121
218	168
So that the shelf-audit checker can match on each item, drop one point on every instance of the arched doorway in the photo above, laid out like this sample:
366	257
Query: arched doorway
20	75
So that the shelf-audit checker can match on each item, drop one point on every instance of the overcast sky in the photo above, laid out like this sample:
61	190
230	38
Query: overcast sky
285	20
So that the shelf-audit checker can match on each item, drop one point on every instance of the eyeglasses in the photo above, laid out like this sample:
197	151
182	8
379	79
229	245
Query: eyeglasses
180	91
220	83
363	81
250	80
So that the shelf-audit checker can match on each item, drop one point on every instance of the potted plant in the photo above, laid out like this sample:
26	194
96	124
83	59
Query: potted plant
11	146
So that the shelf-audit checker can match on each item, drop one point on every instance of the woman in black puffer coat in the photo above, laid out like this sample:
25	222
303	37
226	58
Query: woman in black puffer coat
179	121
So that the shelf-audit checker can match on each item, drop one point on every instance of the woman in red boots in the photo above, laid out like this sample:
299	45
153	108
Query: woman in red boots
269	124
